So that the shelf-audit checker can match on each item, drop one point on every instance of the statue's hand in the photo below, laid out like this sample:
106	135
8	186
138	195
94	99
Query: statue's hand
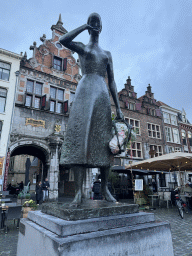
120	115
88	27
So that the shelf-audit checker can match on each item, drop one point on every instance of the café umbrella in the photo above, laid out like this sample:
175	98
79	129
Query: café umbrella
171	162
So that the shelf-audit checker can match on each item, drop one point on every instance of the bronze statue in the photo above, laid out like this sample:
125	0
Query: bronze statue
90	125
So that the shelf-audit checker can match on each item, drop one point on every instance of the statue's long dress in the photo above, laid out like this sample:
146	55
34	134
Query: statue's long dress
89	125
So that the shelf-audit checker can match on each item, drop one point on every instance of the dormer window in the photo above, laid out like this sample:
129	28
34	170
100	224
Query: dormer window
59	63
183	118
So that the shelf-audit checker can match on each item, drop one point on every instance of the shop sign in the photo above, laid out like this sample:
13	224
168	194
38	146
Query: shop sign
35	123
1	165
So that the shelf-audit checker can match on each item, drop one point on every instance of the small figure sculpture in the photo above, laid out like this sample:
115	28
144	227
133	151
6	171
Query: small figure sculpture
89	128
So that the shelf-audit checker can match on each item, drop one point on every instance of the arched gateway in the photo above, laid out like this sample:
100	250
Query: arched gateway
47	152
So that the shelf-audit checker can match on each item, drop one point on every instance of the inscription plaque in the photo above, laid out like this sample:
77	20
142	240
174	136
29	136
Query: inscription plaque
35	123
22	228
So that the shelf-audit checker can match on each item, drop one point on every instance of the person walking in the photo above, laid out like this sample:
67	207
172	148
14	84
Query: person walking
39	193
45	188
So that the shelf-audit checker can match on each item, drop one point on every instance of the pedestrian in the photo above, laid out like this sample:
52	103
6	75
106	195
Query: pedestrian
39	193
45	188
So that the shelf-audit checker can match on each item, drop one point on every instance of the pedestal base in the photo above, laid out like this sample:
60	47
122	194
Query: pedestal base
134	234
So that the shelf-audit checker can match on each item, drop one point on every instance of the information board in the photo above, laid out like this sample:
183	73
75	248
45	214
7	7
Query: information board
138	185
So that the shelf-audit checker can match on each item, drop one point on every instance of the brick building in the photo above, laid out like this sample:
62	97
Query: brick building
144	115
46	87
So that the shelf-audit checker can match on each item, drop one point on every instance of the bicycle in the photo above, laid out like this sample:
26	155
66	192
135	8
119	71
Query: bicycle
181	205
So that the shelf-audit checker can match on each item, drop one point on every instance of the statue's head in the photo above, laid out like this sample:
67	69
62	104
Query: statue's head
94	21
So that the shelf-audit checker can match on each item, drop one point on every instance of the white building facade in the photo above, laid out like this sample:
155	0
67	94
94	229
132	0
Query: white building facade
9	67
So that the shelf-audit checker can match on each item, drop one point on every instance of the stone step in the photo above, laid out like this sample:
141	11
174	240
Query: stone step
65	228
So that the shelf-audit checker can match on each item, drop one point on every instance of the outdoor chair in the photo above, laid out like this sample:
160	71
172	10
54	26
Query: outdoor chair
166	198
13	213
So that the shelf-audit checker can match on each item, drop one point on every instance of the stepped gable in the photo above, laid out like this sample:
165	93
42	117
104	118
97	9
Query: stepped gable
45	55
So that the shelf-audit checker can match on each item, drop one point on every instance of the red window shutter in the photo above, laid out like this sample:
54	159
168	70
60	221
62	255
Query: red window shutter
43	101
64	64
138	106
66	106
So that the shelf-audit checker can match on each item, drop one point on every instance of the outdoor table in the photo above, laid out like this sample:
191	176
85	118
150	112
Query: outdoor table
153	197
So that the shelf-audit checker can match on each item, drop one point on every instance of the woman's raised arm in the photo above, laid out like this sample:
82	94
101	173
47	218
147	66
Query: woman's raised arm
66	39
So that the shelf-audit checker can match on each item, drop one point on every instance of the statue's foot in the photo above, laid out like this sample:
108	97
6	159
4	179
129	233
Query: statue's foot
108	196
77	200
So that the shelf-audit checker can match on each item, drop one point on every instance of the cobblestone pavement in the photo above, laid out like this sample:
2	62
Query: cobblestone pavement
181	230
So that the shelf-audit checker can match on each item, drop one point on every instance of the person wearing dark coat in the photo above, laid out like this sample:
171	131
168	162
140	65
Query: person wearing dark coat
39	193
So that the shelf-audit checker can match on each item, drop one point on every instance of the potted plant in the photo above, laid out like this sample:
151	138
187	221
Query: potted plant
29	205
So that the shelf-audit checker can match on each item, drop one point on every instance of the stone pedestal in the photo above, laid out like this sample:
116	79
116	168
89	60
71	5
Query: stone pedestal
134	234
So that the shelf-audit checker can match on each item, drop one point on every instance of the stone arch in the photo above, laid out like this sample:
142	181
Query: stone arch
33	147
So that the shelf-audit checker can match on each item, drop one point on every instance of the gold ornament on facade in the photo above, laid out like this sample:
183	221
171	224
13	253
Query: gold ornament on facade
57	128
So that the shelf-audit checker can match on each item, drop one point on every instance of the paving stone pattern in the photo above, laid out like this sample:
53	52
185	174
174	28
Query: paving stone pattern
181	230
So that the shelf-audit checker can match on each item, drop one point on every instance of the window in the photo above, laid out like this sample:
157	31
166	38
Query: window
135	150
171	149
173	120
1	126
57	100
154	130
130	94
183	134
166	118
4	71
183	118
72	96
153	112
176	135
157	149
59	63
3	96
131	106
177	149
168	134
190	138
33	94
135	124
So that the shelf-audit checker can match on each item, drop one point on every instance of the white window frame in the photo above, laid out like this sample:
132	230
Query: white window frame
152	131
56	100
5	67
176	134
173	119
136	128
4	98
135	149
131	105
72	93
166	133
158	149
177	149
166	117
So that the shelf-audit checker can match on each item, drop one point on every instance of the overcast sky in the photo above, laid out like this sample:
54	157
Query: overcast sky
150	40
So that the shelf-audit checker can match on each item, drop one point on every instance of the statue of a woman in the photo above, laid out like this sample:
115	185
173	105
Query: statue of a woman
90	125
